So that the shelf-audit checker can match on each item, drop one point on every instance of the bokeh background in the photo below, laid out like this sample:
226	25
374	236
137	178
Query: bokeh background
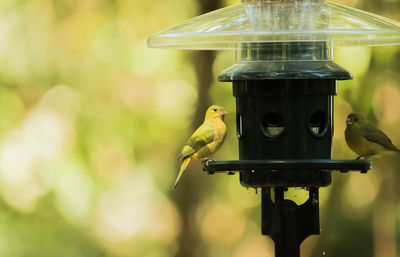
91	122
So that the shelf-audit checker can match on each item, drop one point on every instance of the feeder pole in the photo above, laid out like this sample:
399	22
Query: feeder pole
289	224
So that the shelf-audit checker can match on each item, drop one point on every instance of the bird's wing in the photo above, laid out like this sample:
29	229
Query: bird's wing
374	135
201	137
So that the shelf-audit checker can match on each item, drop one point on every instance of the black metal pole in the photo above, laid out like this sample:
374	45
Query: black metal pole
287	223
287	245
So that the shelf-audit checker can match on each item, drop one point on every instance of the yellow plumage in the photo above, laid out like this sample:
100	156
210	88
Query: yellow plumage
206	140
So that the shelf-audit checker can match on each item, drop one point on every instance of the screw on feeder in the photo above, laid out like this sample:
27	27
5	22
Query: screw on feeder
284	83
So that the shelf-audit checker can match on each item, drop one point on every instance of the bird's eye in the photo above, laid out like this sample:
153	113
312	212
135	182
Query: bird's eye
356	119
215	110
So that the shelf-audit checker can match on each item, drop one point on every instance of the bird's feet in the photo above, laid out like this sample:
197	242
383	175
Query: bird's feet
207	161
368	157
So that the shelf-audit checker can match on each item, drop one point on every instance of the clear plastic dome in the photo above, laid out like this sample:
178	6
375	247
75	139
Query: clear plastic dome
280	21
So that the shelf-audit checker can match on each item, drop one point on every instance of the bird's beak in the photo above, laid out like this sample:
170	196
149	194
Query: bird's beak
348	121
224	112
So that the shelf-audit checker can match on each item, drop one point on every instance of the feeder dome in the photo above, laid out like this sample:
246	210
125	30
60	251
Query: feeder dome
266	21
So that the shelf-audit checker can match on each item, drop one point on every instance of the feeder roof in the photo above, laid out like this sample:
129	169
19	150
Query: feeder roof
277	21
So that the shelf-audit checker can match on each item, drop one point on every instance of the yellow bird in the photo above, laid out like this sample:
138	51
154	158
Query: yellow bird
206	140
365	139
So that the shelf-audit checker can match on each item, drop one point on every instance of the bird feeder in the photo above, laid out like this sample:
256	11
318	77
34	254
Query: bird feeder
284	82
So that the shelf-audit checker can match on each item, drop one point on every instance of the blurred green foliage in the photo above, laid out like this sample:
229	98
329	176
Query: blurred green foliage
92	120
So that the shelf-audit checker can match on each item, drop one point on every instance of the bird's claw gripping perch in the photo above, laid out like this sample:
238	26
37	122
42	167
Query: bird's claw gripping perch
207	161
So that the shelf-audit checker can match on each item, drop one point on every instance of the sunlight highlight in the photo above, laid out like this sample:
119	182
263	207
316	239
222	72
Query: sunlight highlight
135	210
358	195
42	137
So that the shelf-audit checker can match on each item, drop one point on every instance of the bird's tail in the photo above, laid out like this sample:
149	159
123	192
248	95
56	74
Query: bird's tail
394	148
184	164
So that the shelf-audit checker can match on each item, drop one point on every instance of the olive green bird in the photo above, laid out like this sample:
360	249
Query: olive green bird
206	140
365	139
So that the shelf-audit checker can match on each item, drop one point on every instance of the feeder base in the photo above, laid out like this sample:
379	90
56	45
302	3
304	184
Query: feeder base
286	173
